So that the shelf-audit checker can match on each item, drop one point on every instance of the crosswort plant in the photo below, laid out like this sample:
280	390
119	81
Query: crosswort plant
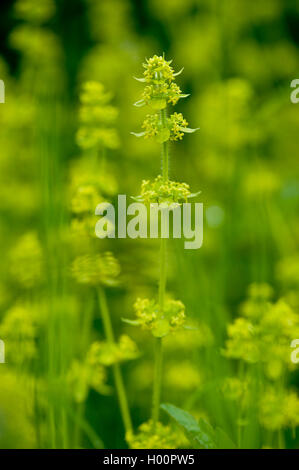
162	315
207	356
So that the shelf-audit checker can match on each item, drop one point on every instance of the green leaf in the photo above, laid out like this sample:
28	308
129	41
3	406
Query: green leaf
178	73
130	322
193	195
142	80
158	103
139	103
188	130
190	328
223	440
138	134
161	329
199	433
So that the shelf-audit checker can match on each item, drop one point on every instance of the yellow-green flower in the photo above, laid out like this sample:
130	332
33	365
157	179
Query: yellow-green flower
150	317
96	116
166	192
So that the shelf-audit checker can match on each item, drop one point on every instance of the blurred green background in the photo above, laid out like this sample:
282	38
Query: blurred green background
239	58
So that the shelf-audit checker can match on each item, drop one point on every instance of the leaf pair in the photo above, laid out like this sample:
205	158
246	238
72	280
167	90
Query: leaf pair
200	433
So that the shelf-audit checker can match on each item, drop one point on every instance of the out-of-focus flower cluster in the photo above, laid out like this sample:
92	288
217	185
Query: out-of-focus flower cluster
105	353
96	269
96	116
263	333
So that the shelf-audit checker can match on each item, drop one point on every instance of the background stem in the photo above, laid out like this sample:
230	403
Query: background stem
157	381
119	384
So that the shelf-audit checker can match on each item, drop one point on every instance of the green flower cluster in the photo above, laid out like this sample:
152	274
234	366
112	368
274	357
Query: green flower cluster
105	353
163	438
97	269
158	70
159	91
158	95
160	323
173	129
164	192
263	333
96	117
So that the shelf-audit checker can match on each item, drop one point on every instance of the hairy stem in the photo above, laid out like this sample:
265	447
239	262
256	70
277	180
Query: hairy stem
119	384
162	288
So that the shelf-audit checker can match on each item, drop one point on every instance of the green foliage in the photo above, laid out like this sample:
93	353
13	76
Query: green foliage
200	433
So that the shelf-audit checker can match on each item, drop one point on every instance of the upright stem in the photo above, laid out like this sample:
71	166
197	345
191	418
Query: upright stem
163	117
157	381
119	384
162	289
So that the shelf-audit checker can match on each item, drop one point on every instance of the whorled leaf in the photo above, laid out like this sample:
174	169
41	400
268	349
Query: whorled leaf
192	195
138	134
142	80
139	103
179	72
188	130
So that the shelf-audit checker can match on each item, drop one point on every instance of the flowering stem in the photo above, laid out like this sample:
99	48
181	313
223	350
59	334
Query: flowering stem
163	117
119	384
162	289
